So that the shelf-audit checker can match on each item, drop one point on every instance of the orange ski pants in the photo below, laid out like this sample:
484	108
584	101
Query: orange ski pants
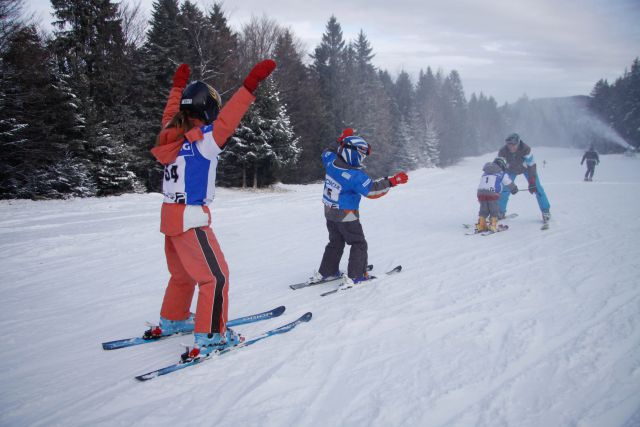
194	257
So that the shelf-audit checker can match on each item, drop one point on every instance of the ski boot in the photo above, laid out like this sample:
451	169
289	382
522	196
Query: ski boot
170	327
349	282
317	277
546	216
206	344
493	227
481	225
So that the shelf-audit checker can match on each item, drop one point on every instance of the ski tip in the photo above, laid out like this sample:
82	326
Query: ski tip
329	293
397	269
306	317
114	345
278	310
146	377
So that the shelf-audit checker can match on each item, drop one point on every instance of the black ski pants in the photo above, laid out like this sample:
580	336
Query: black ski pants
351	233
591	168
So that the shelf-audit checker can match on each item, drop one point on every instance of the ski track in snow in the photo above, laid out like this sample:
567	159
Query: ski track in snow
521	328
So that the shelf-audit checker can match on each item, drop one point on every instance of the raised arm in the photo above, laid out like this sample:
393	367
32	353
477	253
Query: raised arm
232	112
180	79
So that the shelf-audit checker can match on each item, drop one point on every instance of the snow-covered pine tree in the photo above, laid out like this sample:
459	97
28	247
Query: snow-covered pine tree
223	70
301	94
431	143
486	121
110	159
455	132
618	104
90	46
407	135
41	127
328	58
428	115
263	145
366	105
406	155
163	51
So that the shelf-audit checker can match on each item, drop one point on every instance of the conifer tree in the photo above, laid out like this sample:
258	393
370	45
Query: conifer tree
89	43
455	132
263	145
41	127
163	51
328	58
224	69
301	95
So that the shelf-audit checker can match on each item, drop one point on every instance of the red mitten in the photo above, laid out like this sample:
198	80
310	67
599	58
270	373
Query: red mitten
181	77
532	185
260	72
399	178
345	133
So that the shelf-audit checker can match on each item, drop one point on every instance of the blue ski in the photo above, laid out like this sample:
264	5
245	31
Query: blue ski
129	342
181	365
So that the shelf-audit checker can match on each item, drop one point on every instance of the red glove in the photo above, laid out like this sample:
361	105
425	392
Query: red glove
181	77
532	185
260	72
399	178
345	133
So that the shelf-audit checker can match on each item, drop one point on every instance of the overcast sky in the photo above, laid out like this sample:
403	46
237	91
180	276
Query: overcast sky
503	48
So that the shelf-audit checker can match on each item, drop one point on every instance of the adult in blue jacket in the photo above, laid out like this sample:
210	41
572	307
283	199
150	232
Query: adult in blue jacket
345	184
520	161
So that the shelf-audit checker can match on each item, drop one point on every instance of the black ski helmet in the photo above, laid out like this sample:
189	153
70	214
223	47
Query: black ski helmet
201	101
501	162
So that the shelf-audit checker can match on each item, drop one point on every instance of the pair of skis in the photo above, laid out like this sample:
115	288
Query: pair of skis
501	227
196	361
344	286
130	342
473	230
270	314
276	312
337	279
312	282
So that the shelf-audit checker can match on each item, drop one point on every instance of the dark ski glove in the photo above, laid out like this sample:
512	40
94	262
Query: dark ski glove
259	72
514	190
399	178
181	77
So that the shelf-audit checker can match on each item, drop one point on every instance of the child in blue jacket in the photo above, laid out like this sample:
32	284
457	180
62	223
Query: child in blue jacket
345	183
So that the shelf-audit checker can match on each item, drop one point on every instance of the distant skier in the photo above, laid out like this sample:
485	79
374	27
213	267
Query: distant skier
591	156
345	183
520	161
492	182
194	131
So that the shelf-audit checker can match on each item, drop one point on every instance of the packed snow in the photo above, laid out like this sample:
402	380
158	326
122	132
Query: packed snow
520	328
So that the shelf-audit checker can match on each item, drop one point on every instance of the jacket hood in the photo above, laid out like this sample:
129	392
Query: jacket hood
170	143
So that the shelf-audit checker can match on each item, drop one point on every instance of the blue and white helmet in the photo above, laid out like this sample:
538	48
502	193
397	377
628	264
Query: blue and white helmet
353	150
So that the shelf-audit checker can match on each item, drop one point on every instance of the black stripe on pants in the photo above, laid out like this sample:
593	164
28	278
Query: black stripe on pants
221	280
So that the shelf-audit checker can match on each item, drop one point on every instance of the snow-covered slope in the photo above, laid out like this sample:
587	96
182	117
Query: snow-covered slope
522	328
